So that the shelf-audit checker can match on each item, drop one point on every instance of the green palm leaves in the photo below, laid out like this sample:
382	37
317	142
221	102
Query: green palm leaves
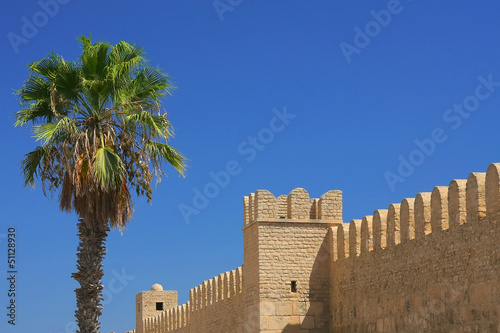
102	131
100	126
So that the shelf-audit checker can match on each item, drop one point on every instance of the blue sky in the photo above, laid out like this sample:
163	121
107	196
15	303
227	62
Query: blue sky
379	99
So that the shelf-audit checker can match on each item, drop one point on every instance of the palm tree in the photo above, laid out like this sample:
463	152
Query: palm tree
102	133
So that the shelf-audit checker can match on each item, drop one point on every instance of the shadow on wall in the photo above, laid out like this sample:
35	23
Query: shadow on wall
314	313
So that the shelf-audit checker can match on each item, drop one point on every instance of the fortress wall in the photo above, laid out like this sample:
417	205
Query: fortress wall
428	264
441	274
214	306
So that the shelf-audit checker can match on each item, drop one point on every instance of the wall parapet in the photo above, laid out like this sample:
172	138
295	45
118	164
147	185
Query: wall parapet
297	205
210	293
462	201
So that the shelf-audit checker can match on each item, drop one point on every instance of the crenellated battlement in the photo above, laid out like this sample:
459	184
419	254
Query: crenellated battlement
215	290
210	293
446	207
296	206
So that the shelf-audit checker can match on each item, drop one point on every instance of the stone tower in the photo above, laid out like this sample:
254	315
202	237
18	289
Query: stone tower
152	303
286	254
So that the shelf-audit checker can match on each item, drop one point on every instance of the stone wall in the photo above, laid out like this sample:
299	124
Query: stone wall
214	306
146	303
294	278
429	264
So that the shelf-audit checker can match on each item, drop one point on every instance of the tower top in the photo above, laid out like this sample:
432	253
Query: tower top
156	287
295	206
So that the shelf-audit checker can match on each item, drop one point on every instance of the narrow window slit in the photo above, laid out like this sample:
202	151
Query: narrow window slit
293	286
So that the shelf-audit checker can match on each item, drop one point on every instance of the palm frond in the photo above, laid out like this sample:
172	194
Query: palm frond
109	169
48	66
85	41
150	83
68	80
38	112
94	60
66	194
123	59
150	125
35	88
32	162
91	98
49	133
162	152
96	86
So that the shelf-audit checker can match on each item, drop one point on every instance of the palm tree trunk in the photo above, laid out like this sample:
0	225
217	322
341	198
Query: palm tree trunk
90	254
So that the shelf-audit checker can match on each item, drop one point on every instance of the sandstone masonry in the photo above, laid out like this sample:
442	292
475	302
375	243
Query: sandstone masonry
428	264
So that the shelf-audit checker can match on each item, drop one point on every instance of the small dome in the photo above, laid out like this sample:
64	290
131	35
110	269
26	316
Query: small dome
156	287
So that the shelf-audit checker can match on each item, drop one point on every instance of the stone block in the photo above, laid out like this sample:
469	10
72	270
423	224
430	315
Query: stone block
307	322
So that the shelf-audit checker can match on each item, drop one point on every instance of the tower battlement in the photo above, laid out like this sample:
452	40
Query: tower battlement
295	206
